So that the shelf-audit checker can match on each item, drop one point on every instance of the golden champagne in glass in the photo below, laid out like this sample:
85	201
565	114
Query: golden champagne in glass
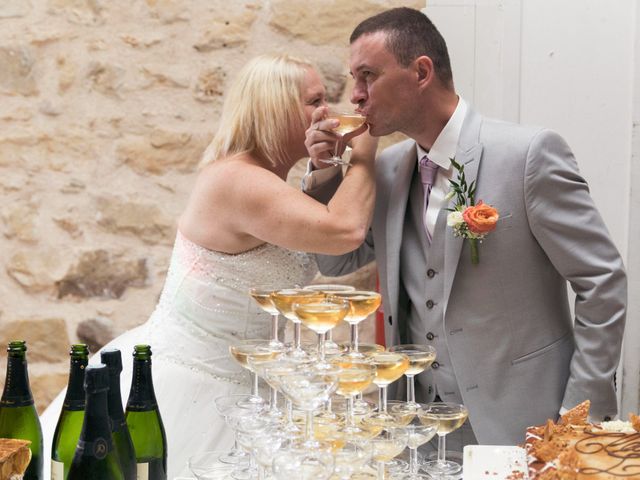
284	300
362	303
354	376
449	417
420	358
349	121
321	317
329	289
248	353
389	368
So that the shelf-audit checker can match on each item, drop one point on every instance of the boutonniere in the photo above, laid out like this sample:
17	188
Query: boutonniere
467	219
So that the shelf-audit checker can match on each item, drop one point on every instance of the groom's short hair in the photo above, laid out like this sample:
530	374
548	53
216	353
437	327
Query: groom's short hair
410	34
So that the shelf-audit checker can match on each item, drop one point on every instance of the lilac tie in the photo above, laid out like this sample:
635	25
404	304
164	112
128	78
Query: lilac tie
428	172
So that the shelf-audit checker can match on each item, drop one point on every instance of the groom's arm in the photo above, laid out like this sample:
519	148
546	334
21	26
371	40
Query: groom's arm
566	223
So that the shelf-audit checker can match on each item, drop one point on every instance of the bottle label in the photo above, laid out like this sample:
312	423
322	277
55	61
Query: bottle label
57	470
142	471
99	448
16	401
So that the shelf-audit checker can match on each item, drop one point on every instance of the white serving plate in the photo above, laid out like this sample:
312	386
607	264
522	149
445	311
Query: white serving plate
494	462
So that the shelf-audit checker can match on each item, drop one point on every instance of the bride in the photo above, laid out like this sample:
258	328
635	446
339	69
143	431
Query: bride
243	226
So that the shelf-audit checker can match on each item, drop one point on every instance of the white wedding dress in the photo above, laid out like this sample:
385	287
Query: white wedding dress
203	308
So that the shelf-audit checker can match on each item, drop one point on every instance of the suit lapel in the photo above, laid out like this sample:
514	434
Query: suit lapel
395	218
469	154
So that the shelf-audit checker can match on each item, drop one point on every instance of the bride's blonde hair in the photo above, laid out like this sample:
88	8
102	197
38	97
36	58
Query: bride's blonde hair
261	109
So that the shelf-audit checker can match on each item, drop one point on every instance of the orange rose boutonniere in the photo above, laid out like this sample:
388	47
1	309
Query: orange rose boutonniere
467	219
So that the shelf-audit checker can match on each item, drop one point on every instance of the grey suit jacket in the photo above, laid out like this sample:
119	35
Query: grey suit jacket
517	354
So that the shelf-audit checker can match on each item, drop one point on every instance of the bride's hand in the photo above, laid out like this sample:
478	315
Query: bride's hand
320	139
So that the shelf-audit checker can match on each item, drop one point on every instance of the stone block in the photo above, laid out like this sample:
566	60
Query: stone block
47	338
16	71
329	22
145	221
95	332
103	274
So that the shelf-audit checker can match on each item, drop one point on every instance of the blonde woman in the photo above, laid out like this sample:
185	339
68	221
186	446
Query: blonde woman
243	226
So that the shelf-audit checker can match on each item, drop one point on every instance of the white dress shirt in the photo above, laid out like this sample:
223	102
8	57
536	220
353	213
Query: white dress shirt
443	149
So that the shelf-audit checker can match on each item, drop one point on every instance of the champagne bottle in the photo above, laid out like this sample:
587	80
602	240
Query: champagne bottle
144	421
18	416
119	431
95	457
71	417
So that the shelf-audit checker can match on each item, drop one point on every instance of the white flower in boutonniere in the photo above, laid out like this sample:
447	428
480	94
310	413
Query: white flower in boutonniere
467	219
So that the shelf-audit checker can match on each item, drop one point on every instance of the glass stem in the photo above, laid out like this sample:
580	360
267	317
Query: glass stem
383	398
273	400
321	346
413	461
381	471
336	151
274	327
351	421
442	448
296	335
309	426
289	408
411	389
254	384
354	337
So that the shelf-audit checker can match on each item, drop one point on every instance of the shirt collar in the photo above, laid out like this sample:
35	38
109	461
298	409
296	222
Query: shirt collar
444	148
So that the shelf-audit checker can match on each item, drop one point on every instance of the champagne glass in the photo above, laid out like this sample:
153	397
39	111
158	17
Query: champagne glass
420	358
284	300
350	458
321	317
309	388
362	303
206	466
262	296
354	376
349	121
419	432
248	353
389	368
273	372
387	445
330	289
300	463
226	406
449	417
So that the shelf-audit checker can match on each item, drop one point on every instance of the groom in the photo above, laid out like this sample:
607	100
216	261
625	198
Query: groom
508	347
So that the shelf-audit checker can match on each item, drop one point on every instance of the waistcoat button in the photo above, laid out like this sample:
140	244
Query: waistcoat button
435	365
430	336
430	304
431	273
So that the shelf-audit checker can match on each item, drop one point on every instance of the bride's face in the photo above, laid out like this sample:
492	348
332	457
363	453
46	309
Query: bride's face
313	94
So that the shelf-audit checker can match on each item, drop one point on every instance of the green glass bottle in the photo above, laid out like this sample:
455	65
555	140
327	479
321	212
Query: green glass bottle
18	416
144	421
122	442
67	433
95	458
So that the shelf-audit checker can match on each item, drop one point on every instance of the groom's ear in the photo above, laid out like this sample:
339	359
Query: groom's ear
424	70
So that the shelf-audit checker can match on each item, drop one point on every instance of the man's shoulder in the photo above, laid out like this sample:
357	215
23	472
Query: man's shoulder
505	131
396	152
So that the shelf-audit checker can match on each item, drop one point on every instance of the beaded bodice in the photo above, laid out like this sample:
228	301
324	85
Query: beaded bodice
205	304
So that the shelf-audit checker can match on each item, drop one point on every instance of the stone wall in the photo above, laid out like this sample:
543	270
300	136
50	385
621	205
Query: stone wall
105	108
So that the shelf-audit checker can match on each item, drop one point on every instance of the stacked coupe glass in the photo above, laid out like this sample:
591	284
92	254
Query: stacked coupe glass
324	429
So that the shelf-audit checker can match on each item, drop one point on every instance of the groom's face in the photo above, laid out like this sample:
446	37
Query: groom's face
383	90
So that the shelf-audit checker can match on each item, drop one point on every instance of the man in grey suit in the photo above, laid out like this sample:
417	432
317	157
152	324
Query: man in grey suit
508	347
